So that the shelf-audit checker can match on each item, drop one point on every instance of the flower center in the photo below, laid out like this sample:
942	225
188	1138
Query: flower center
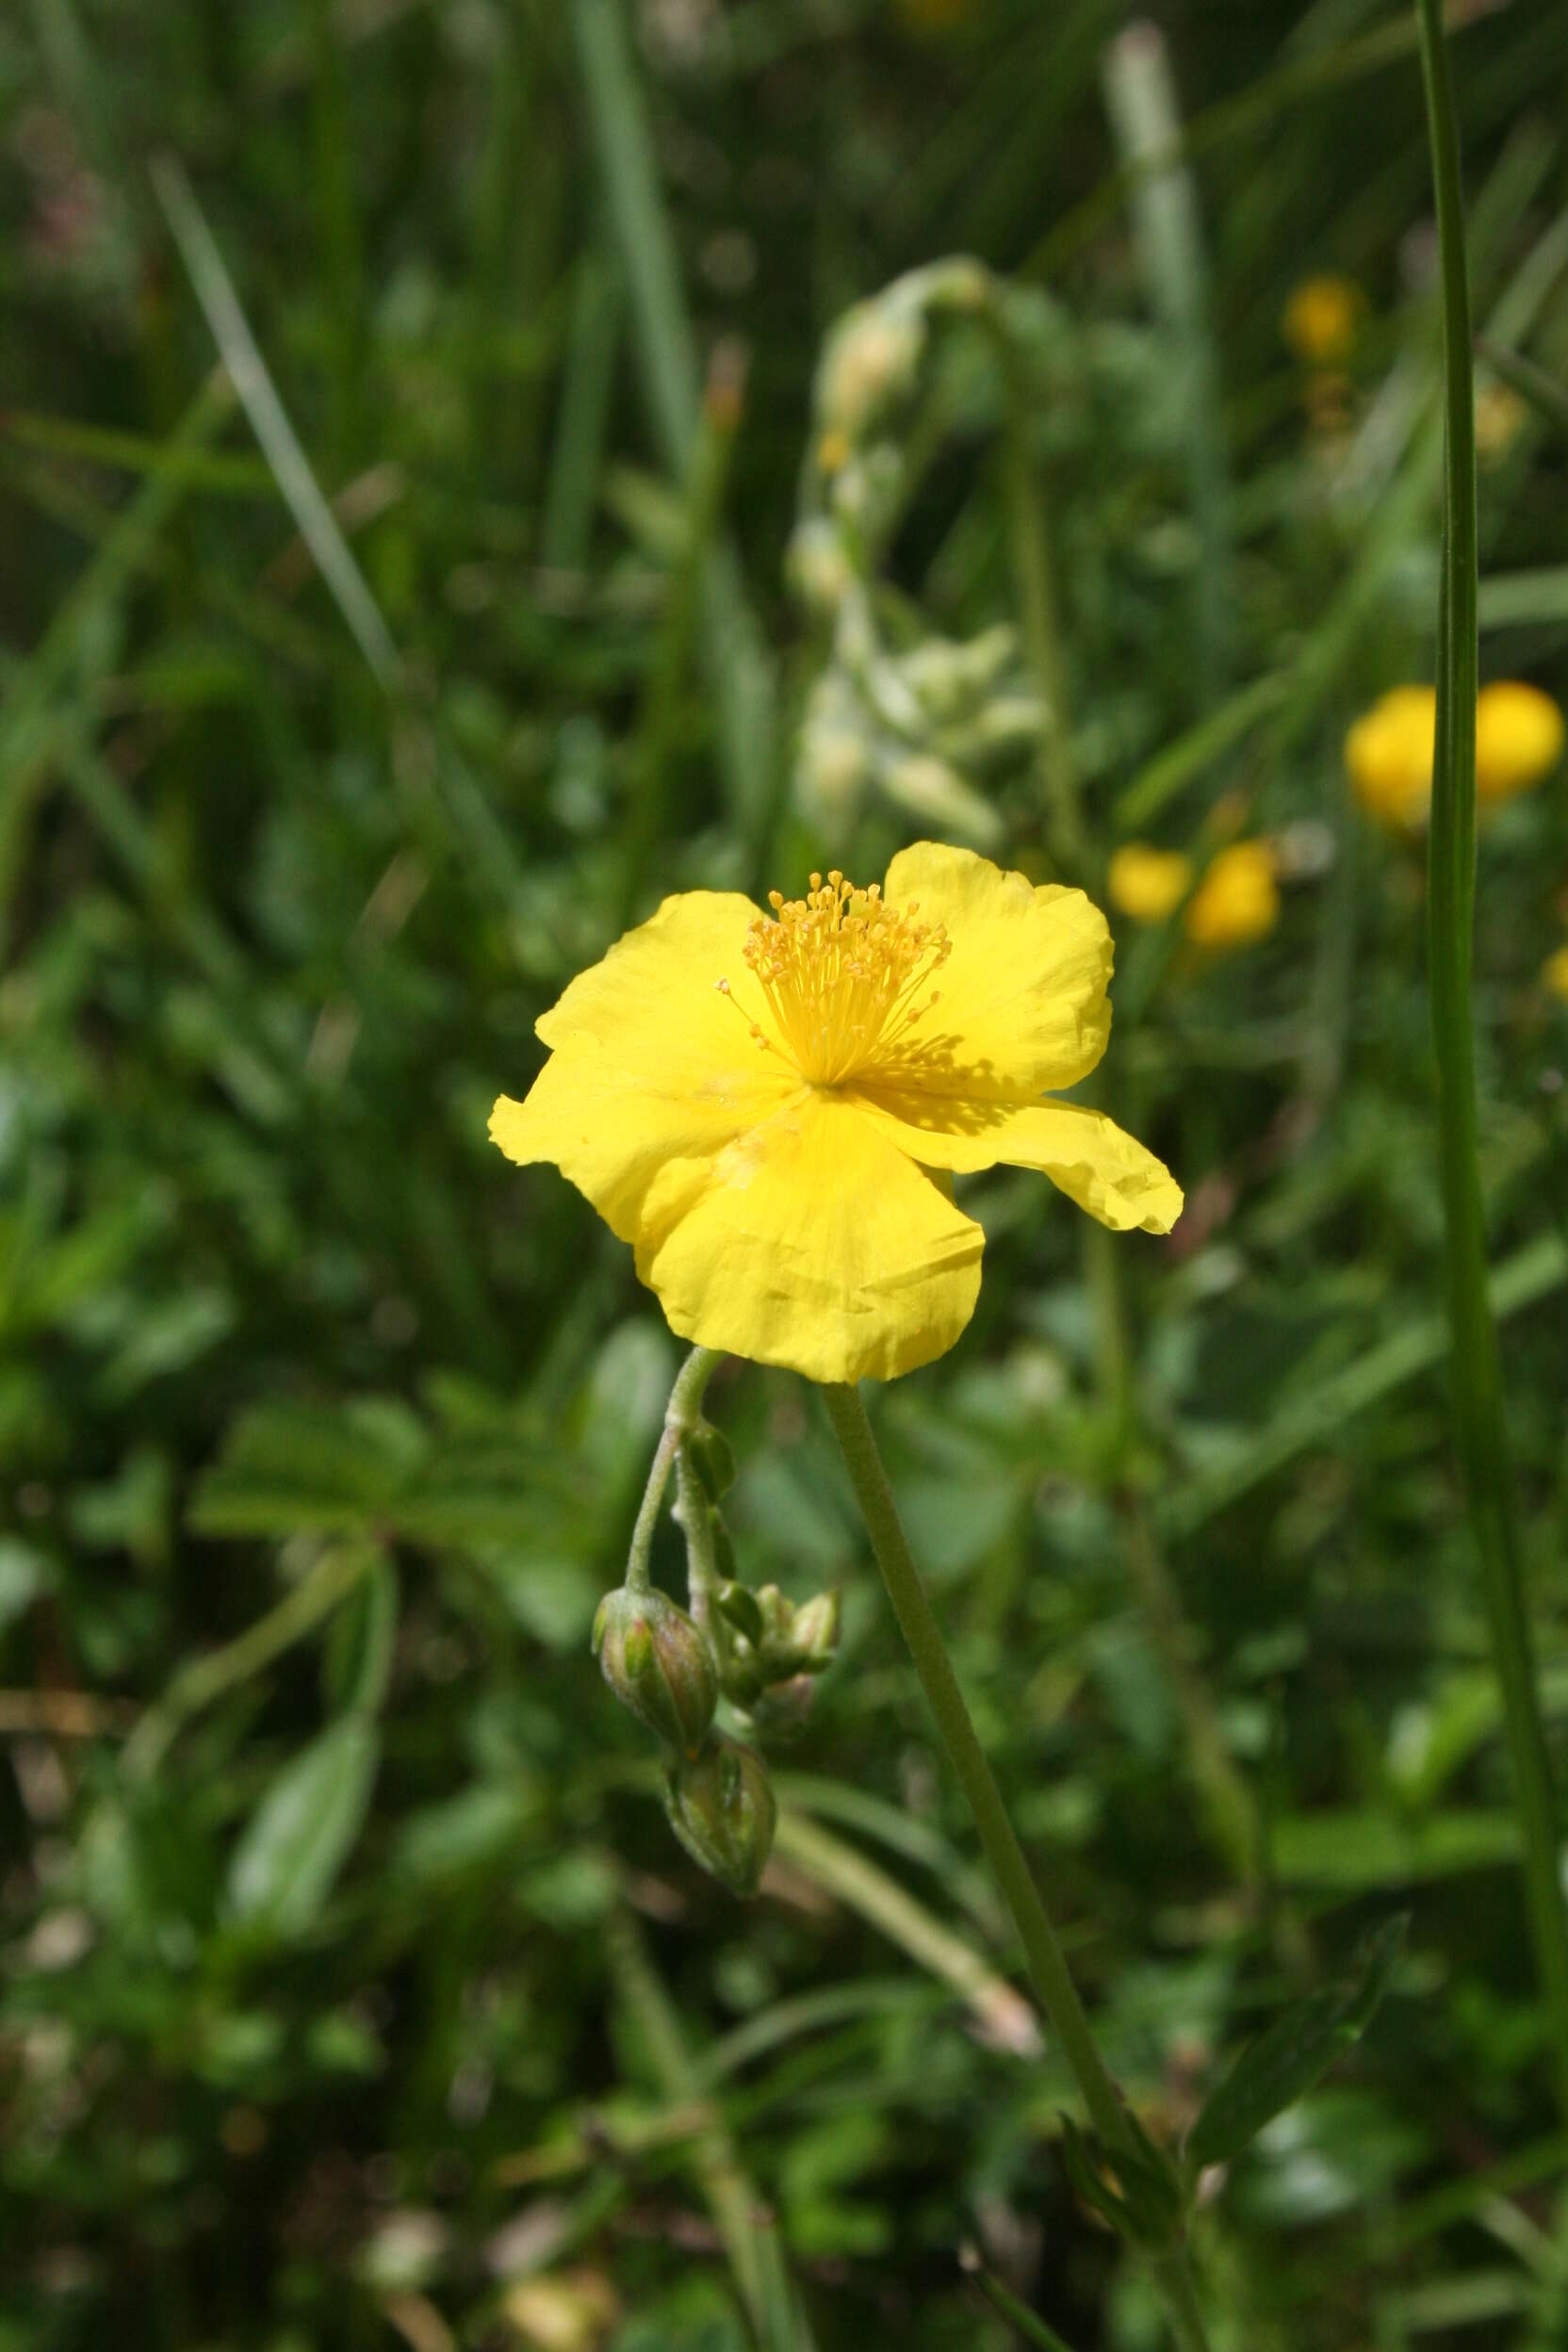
843	976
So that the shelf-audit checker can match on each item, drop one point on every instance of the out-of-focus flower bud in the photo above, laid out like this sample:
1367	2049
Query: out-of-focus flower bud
814	1634
948	676
712	1458
721	1806
833	768
871	359
658	1663
937	794
1554	973
818	570
739	1604
781	1713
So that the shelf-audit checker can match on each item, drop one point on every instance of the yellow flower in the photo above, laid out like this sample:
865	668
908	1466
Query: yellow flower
1389	755
1554	972
1147	883
1320	320
1519	736
1518	739
1238	899
1499	414
771	1108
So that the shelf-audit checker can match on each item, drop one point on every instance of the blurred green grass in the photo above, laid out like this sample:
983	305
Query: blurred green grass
353	1982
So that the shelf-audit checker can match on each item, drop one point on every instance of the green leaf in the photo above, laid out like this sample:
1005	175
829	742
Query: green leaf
305	1829
1296	2051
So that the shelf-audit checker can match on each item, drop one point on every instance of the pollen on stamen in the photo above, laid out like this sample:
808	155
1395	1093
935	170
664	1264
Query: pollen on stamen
842	971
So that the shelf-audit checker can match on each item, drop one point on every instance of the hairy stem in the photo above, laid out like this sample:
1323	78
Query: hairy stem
681	1415
1047	1965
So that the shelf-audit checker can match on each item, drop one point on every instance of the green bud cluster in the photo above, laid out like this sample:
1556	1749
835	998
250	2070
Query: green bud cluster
931	723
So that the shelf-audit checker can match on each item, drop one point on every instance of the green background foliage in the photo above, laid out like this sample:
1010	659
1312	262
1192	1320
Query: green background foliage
354	1991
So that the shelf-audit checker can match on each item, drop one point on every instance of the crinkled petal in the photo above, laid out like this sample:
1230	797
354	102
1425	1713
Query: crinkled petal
1087	1155
1023	1009
812	1241
651	1066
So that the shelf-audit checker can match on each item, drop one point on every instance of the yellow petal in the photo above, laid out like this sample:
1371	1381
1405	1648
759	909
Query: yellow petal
813	1242
1022	1005
1087	1155
651	1066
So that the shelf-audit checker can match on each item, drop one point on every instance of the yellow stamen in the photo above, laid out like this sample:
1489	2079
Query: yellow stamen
843	973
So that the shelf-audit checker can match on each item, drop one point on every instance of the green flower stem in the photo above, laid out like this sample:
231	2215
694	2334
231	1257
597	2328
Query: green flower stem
1047	1965
681	1416
697	1526
1479	1426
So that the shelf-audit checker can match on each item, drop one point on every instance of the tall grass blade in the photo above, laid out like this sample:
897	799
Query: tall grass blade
1477	1393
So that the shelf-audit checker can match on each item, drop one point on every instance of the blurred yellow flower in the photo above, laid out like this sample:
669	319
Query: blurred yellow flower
1499	414
1238	899
1147	883
1388	752
1554	972
1389	755
1320	319
770	1108
1518	739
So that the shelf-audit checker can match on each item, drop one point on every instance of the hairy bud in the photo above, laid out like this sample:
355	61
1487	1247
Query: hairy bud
721	1806
658	1663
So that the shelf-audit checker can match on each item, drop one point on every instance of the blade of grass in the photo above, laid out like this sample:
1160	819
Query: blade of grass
1477	1394
1531	1274
884	1906
750	2242
577	459
77	646
1025	2322
739	670
1140	98
248	373
1545	395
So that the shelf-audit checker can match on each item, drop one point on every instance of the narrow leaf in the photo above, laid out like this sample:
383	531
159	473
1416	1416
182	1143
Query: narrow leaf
1296	2051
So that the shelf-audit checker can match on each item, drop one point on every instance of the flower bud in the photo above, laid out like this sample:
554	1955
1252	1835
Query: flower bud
780	1714
658	1663
814	1634
870	361
712	1460
721	1807
739	1604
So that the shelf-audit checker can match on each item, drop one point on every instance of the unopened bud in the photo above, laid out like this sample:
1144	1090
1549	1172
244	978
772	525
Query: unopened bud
658	1663
781	1713
739	1604
797	1640
742	1673
712	1460
818	569
721	1806
932	789
815	1632
870	361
